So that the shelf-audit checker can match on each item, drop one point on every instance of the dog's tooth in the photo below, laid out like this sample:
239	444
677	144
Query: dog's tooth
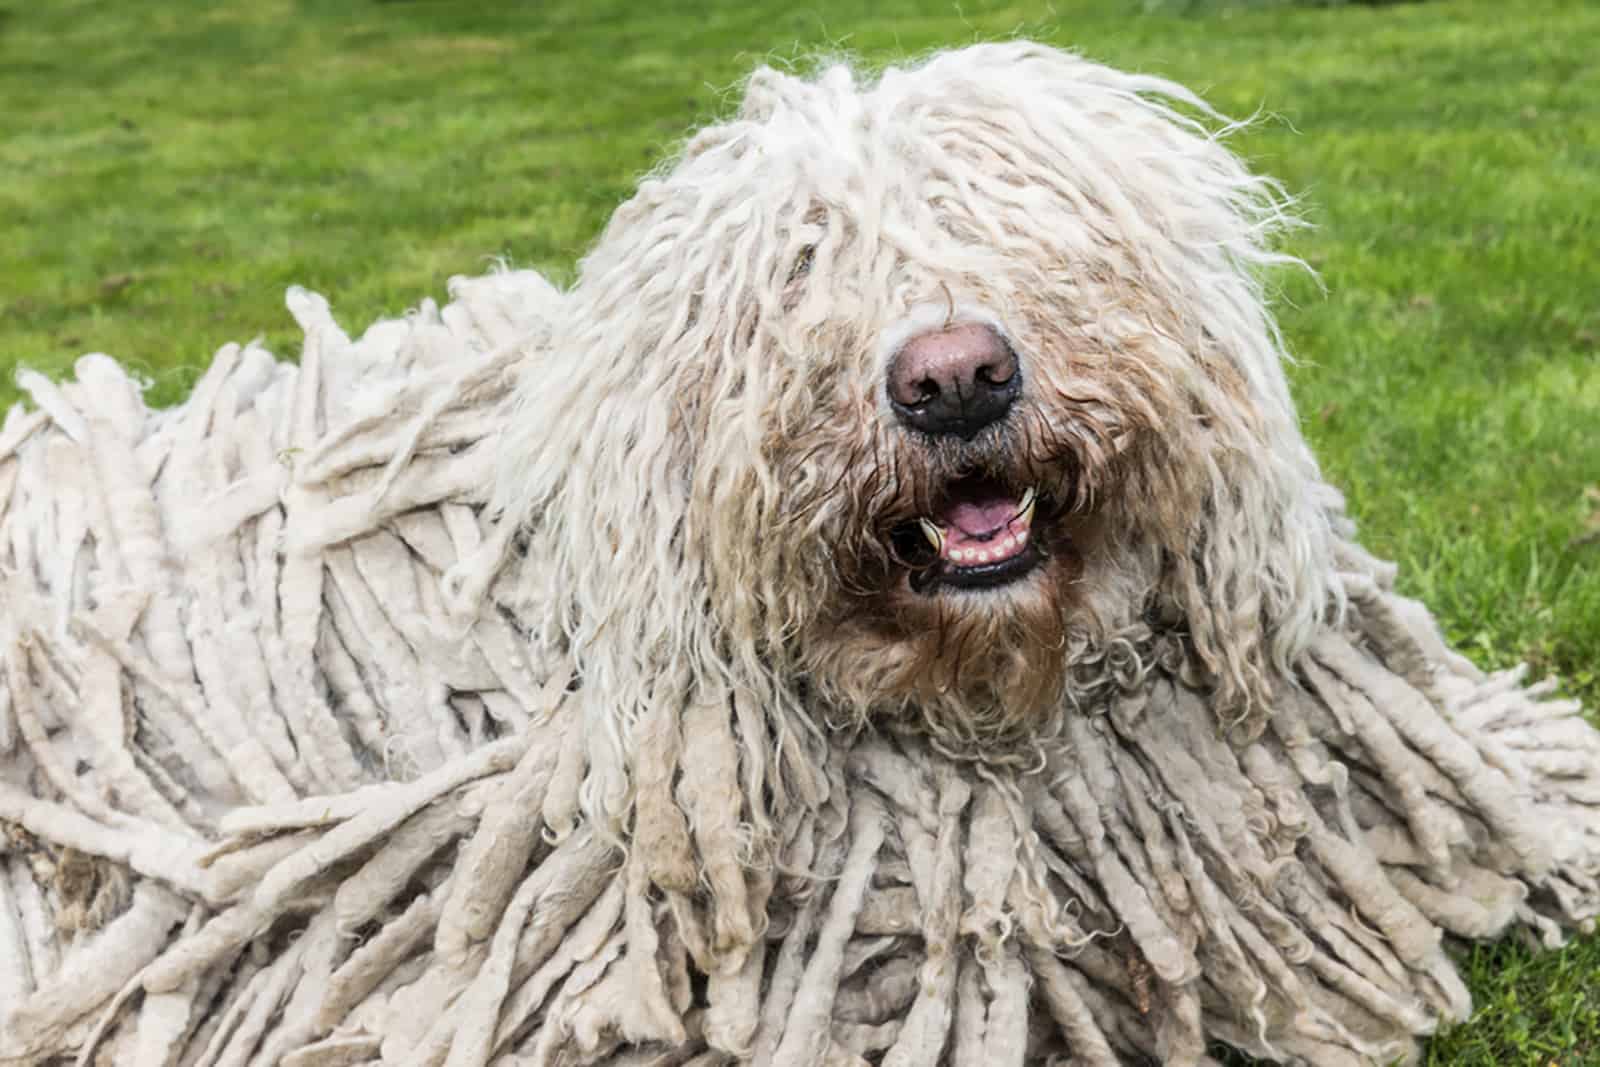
983	557
932	532
1025	512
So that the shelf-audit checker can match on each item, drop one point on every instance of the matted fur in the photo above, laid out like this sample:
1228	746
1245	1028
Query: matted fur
759	282
540	679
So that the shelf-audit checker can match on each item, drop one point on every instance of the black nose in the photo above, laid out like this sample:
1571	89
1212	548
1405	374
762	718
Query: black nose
956	380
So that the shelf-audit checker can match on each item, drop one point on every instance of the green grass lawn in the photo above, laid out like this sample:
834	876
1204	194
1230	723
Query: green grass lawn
167	168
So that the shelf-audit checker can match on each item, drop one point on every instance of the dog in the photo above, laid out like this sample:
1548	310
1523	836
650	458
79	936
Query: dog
884	611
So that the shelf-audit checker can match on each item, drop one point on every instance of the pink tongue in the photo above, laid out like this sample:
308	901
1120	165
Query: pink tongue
975	520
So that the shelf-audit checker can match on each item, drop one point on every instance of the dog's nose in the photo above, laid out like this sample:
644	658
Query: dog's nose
954	381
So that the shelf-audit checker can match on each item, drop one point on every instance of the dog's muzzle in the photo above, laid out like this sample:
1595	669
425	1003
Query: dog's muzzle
954	381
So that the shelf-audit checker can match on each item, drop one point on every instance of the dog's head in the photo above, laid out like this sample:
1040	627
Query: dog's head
930	394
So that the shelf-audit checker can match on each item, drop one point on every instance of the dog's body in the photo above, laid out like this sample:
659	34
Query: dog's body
906	605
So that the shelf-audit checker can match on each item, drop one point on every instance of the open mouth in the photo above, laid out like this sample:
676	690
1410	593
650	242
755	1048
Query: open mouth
980	536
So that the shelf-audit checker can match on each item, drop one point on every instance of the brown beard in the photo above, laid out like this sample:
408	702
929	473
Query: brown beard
987	663
984	663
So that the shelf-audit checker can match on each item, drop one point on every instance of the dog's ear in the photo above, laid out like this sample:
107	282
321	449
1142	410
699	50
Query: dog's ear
632	458
1251	574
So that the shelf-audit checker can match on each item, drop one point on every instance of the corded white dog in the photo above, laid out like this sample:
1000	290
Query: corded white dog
885	612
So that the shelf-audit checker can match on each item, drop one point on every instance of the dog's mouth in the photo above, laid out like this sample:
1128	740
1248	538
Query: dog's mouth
981	534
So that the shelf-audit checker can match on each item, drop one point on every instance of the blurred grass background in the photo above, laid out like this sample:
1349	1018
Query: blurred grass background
168	167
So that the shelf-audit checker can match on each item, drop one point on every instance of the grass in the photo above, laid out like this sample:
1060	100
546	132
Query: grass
167	168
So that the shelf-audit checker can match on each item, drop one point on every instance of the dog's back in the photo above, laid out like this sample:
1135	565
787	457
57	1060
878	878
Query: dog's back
227	606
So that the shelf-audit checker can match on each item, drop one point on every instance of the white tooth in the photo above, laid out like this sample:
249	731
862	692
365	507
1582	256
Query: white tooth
1009	543
983	557
932	532
958	554
1027	499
